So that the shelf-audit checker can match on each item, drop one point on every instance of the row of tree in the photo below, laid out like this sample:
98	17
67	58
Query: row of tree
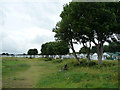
86	23
112	47
51	48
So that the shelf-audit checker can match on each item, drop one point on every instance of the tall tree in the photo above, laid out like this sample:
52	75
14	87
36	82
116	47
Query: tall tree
64	32
44	49
95	21
114	47
61	48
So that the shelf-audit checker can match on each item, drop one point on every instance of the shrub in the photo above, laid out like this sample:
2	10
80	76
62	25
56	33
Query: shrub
92	63
108	64
73	62
48	59
57	61
83	62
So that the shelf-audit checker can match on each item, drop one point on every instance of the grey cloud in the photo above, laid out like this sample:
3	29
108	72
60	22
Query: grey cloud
42	39
28	25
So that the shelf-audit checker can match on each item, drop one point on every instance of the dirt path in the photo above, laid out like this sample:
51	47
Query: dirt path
28	78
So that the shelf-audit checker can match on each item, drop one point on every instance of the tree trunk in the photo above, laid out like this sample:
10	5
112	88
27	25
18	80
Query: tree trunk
88	51
52	56
30	56
60	56
74	53
88	56
100	52
47	56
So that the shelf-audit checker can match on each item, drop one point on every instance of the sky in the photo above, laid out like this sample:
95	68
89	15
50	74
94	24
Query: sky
26	24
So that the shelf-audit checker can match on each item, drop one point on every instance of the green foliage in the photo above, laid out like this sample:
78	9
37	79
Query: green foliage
64	32
109	58
84	63
88	22
32	51
112	47
97	76
108	64
10	67
93	63
54	48
48	59
84	50
47	75
57	61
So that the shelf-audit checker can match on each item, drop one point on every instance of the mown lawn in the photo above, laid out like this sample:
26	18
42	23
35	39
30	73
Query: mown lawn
43	73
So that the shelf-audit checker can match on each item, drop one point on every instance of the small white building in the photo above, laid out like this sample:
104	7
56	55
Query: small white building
105	55
95	56
66	56
56	56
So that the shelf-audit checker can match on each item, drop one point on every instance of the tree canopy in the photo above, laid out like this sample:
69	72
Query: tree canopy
54	48
89	22
32	52
112	47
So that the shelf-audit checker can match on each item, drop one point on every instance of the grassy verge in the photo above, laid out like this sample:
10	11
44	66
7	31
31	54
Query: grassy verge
82	75
46	73
12	65
25	72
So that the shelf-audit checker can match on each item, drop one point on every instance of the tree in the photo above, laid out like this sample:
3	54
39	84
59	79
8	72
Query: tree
83	50
94	49
47	49
54	48
5	54
32	52
43	49
61	48
114	47
23	54
95	21
116	26
35	51
106	48
64	31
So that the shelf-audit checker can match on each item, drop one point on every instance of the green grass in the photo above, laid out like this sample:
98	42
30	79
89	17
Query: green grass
24	72
42	73
12	65
82	75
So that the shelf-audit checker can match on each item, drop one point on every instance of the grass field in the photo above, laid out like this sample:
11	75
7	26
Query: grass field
42	73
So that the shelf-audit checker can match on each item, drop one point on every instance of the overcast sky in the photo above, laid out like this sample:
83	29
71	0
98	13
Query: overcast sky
26	24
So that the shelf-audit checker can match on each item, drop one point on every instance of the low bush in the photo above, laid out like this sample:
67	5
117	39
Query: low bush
108	63
83	62
48	59
93	63
57	61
